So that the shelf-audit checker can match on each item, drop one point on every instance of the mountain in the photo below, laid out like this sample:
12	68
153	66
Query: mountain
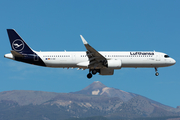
97	88
94	100
145	104
25	97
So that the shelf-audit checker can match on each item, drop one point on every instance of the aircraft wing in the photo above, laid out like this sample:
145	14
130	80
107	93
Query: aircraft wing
96	60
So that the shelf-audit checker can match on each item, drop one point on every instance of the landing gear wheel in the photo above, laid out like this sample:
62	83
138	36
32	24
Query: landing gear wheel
156	73
89	75
94	72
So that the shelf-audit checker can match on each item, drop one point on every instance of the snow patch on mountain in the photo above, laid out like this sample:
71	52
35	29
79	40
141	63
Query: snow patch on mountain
106	89
95	92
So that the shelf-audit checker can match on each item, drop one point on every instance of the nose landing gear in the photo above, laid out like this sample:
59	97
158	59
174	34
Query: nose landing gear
156	72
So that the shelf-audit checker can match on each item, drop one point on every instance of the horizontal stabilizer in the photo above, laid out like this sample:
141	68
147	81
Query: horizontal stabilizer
16	54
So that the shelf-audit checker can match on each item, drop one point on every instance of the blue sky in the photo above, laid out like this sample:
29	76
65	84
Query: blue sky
107	26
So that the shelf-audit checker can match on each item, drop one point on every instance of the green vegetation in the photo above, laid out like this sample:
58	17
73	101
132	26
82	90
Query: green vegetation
156	118
90	118
33	112
12	111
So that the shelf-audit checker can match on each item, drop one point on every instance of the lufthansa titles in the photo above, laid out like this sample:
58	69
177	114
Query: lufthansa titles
141	53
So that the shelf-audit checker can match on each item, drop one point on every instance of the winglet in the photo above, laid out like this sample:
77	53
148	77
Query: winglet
84	41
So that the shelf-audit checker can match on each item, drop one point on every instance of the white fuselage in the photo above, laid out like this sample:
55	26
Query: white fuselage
128	59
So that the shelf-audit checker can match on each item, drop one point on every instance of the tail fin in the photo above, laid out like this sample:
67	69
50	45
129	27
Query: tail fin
17	43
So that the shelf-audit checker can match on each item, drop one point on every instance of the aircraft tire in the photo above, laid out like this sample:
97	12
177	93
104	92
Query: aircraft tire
94	72
89	75
156	73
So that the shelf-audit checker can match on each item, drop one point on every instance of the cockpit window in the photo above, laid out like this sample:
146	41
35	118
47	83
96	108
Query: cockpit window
166	56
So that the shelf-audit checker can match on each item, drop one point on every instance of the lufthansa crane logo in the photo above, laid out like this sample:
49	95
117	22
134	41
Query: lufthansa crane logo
18	45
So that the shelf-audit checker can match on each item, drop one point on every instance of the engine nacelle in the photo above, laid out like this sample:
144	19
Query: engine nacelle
115	64
106	71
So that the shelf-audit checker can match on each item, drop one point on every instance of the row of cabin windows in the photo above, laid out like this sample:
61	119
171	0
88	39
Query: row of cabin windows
83	55
105	56
56	56
129	56
123	56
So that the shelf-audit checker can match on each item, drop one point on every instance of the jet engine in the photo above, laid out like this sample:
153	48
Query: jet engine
112	64
115	64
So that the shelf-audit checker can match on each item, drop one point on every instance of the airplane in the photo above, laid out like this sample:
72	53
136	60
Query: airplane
104	62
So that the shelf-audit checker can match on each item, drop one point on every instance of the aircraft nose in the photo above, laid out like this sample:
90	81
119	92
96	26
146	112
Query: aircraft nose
173	61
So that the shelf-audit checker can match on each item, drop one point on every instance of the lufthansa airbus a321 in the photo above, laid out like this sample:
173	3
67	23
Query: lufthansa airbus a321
102	62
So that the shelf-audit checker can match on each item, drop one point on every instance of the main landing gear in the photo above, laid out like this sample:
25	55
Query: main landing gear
89	75
156	72
92	72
